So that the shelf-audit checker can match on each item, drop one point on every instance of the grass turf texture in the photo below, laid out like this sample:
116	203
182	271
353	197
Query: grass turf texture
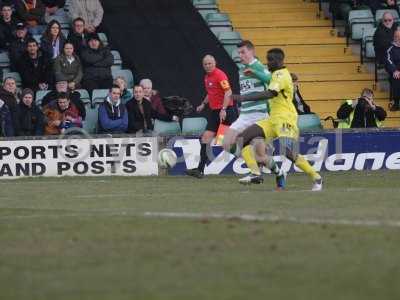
89	238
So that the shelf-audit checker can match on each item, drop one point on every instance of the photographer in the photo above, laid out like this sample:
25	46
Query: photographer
361	113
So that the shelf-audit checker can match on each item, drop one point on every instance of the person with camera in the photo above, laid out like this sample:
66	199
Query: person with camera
361	113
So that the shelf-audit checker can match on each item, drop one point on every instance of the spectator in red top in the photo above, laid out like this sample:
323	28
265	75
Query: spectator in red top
222	110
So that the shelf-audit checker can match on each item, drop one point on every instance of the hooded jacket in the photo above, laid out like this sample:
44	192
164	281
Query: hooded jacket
113	118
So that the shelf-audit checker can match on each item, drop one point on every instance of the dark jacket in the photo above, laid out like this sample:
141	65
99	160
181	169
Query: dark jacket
79	41
68	71
47	46
37	14
112	119
96	63
364	116
75	98
392	61
17	49
380	4
137	120
35	71
7	31
301	106
383	38
31	120
12	104
53	3
6	126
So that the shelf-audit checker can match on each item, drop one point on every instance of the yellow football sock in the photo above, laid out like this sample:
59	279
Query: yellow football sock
248	156
305	166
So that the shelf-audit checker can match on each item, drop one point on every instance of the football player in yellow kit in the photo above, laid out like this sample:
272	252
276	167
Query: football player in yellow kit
281	124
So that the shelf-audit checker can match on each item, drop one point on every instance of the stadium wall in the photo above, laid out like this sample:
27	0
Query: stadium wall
125	155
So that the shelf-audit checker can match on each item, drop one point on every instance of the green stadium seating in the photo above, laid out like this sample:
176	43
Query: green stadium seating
218	22
103	38
40	95
359	21
205	4
4	60
127	74
309	122
117	57
85	97
166	128
90	123
194	125
367	43
98	96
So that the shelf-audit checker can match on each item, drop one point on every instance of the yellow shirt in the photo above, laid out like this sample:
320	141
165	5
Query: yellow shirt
281	106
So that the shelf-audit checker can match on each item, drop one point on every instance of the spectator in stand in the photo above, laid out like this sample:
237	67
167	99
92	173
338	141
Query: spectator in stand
383	36
61	115
77	35
113	116
8	26
53	40
156	103
361	113
6	125
8	94
32	12
383	4
35	68
139	113
341	8
89	10
54	8
298	101
18	45
68	66
392	65
126	95
97	61
30	116
62	87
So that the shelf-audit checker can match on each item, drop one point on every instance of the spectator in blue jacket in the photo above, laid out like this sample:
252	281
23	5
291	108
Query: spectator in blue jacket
6	126
113	116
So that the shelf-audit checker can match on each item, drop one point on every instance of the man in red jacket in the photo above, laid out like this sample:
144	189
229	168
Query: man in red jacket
221	106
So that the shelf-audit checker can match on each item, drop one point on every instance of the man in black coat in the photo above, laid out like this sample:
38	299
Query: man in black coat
361	113
97	61
35	68
18	45
77	35
383	36
392	65
8	26
8	94
139	112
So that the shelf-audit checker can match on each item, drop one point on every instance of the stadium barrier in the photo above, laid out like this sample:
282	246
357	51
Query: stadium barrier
128	155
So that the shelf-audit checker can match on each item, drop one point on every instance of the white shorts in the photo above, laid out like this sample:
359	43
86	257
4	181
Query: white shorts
246	120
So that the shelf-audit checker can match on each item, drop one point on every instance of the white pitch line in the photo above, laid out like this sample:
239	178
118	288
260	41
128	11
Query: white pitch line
199	216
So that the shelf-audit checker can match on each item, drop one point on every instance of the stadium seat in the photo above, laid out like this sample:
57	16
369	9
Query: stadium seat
85	97
90	123
103	38
230	40
309	122
64	20
367	44
117	57
205	4
98	96
194	125
235	56
65	32
14	75
40	95
127	74
359	21
379	14
116	67
218	22
166	128
4	60
37	38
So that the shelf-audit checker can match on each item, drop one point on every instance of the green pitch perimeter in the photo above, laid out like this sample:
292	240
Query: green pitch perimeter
180	238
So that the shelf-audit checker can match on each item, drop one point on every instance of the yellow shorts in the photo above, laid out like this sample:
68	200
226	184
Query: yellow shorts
276	128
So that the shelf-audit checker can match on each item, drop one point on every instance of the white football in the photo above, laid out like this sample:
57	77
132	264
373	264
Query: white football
167	158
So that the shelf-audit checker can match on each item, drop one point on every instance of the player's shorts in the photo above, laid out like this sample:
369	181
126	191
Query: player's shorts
246	120
213	120
277	128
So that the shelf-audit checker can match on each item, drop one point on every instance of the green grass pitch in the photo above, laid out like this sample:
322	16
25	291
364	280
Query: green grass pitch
180	238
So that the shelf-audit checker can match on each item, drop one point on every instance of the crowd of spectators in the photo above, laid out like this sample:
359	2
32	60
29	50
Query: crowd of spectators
61	64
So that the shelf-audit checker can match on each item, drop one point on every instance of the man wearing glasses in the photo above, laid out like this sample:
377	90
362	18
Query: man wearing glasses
383	36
